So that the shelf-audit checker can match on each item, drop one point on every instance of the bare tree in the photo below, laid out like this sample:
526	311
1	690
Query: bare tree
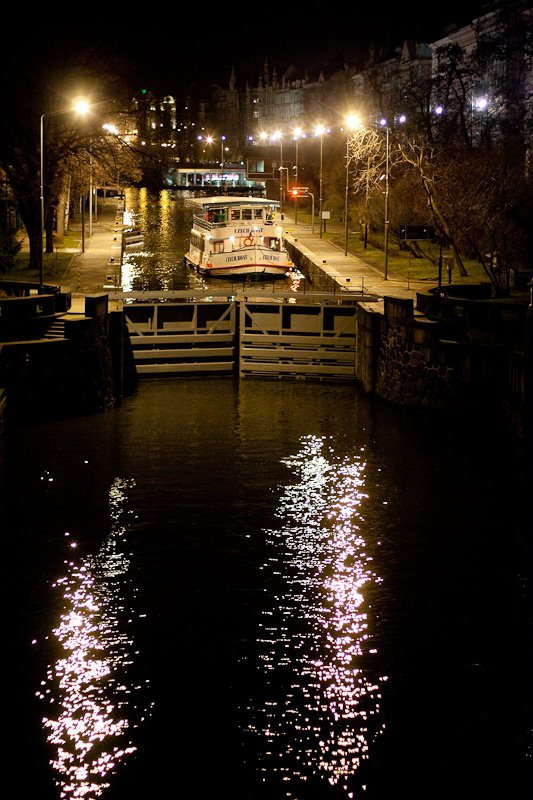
47	78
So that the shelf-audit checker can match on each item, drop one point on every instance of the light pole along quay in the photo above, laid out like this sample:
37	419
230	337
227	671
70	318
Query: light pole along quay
352	122
79	107
277	136
297	135
386	232
384	124
320	131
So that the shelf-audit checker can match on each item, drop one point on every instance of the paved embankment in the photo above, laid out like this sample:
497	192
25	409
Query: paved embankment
87	272
350	273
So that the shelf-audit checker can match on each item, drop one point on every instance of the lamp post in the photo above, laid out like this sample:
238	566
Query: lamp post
297	133
81	107
479	104
352	122
384	123
222	140
90	189
209	140
113	130
278	137
281	171
319	131
385	275
311	195
401	119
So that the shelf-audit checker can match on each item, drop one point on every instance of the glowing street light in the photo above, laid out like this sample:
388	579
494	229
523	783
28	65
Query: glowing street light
209	140
383	123
297	134
320	131
80	107
277	136
352	122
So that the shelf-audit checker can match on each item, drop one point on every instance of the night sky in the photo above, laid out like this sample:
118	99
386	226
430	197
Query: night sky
160	54
201	53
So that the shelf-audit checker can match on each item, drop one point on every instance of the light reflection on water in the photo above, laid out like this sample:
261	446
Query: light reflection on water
157	261
329	713
300	593
90	699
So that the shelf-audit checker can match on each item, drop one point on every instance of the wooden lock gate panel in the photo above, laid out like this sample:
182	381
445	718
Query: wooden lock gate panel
170	338
298	341
251	339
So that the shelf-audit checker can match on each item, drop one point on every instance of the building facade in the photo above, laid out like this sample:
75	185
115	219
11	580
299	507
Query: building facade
477	78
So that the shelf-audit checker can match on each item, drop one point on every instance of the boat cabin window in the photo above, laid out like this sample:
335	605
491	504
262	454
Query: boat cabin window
247	213
218	247
258	213
235	213
216	215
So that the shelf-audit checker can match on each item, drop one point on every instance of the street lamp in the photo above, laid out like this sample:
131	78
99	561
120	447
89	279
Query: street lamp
114	131
209	140
384	123
303	191
481	105
91	188
222	140
320	131
352	122
81	107
278	137
297	134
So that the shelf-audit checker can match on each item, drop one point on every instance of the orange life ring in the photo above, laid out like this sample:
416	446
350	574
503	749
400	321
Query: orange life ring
248	241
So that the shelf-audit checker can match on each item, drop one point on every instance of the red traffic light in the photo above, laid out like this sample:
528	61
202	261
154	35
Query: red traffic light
299	191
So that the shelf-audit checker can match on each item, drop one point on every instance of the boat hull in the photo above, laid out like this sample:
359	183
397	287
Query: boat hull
253	263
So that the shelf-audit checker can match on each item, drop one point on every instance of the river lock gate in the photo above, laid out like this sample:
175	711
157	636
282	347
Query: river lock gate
312	339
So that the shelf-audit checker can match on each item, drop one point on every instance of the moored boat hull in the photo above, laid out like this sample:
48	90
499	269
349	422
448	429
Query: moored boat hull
256	272
243	263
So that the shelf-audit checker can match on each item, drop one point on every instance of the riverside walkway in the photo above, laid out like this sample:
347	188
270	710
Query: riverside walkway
350	273
87	271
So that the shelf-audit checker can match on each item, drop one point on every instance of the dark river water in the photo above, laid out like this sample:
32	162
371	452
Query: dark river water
266	590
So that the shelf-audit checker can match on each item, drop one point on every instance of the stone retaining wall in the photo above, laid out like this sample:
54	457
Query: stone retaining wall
411	368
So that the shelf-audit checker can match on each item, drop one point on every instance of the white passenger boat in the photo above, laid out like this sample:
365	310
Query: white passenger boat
237	237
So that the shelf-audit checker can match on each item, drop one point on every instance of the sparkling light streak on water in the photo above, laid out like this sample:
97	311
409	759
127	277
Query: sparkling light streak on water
157	262
91	702
316	643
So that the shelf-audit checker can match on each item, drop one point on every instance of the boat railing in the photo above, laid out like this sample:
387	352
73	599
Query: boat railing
201	222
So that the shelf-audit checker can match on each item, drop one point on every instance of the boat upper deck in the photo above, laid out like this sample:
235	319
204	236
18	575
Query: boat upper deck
232	201
220	211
